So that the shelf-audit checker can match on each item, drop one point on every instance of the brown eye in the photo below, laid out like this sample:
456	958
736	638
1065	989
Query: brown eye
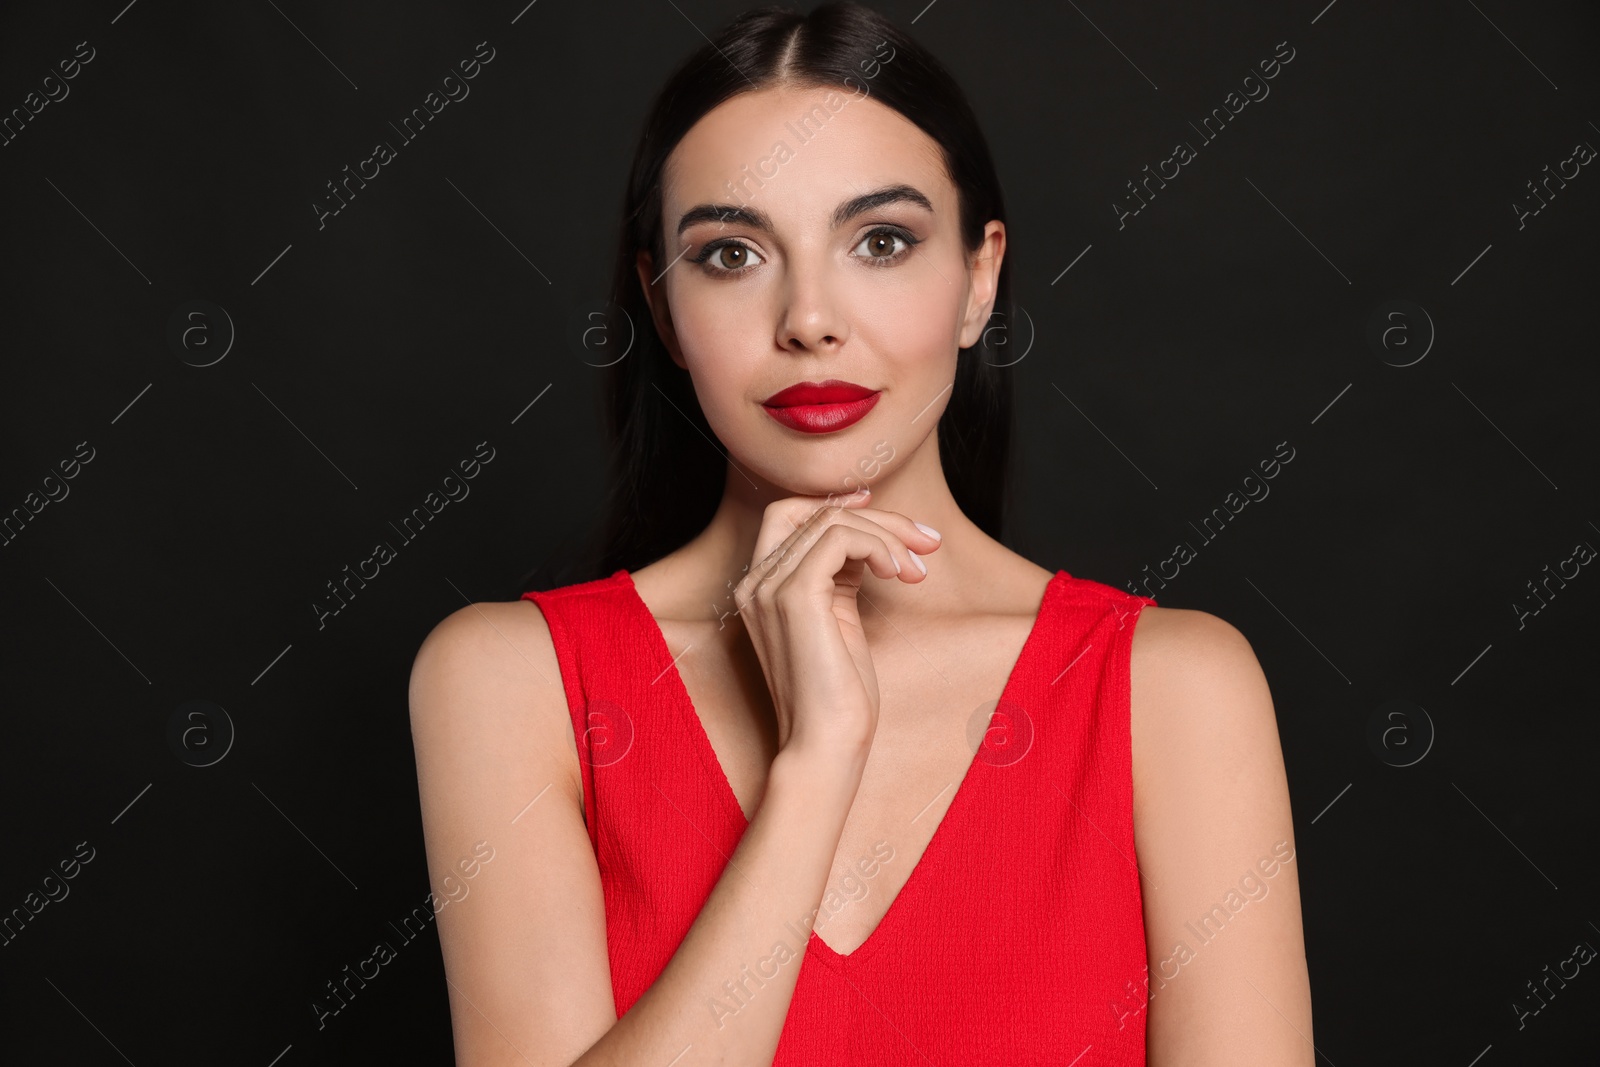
712	258
877	248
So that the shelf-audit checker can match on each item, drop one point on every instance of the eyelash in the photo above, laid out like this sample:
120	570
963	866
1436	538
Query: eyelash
711	249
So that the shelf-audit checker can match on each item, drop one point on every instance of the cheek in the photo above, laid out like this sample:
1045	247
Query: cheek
915	313
914	337
720	345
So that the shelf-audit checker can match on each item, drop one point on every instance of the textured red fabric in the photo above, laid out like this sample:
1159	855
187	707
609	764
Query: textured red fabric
1019	936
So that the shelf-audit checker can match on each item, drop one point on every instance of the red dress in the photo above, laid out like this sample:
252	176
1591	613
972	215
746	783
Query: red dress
1019	936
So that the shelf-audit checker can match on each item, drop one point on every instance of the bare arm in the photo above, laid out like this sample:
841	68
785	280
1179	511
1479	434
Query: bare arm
1228	979
525	948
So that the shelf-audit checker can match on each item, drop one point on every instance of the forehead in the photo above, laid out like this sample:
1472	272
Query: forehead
796	153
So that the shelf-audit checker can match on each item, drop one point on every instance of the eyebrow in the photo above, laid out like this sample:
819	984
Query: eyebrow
754	217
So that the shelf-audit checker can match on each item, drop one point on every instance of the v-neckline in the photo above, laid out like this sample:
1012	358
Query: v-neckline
730	800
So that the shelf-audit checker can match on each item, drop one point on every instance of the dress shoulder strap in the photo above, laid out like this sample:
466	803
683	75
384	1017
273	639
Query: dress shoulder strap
588	624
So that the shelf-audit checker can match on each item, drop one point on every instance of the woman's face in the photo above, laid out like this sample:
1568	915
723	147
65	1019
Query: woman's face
813	235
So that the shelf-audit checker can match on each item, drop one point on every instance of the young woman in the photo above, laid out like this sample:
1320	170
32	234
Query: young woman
810	775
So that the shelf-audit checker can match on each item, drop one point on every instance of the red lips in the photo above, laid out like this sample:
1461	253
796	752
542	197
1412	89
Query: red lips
821	407
832	391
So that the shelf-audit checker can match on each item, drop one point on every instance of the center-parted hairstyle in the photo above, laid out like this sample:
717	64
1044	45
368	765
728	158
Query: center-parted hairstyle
667	475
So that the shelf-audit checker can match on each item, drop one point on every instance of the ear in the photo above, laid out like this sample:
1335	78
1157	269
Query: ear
656	297
983	279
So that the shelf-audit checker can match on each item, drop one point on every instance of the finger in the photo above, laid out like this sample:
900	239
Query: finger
901	562
789	516
908	540
888	527
784	525
860	502
814	572
914	536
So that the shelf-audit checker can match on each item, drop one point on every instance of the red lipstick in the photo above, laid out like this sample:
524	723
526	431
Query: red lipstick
821	407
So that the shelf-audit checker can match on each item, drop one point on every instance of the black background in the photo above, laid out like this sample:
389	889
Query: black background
371	355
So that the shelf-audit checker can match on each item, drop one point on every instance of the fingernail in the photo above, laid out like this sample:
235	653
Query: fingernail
918	561
930	531
896	564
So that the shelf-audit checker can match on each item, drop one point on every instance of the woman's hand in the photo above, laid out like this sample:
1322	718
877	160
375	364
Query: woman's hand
798	603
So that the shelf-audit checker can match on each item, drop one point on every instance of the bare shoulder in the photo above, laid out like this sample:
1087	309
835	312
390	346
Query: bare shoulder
1214	835
497	640
489	671
489	630
1180	637
1202	714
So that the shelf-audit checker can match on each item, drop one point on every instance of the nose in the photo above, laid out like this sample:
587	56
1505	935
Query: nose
812	318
